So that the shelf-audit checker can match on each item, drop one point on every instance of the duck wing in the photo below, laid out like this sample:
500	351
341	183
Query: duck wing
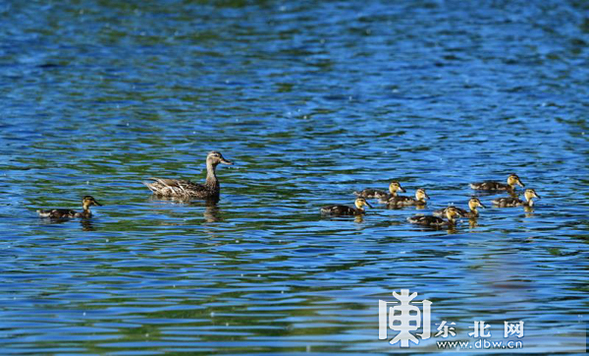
57	213
338	210
401	200
489	185
506	202
175	187
369	193
442	212
427	220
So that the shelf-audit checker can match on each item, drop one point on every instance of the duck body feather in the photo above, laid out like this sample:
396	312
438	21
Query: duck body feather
341	210
461	212
64	214
370	193
182	188
427	220
401	200
491	185
509	202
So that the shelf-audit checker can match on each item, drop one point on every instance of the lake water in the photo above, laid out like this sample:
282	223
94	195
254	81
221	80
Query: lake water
311	101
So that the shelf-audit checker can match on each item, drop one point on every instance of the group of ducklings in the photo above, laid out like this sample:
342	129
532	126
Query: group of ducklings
451	213
184	189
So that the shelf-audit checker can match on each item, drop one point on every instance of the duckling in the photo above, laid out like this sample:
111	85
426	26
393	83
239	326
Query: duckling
529	194
368	193
400	200
70	214
434	221
512	180
473	204
347	210
187	189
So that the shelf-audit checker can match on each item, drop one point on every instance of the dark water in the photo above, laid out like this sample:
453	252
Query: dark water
312	101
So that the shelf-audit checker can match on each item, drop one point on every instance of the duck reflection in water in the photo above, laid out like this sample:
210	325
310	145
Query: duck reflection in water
87	225
212	213
529	211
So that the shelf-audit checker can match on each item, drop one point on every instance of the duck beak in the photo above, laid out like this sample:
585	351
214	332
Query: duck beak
537	196
367	203
225	161
401	189
95	202
427	196
482	205
519	182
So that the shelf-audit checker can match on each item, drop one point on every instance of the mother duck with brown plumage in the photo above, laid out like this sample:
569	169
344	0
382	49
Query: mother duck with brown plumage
179	188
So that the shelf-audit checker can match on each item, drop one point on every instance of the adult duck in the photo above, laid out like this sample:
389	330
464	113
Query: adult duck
186	189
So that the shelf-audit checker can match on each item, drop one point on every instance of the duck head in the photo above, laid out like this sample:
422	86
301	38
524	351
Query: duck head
395	187
513	179
215	157
88	200
360	203
421	195
452	214
474	203
529	194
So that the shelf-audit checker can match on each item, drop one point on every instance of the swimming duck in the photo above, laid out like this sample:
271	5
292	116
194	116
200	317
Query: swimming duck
87	201
400	200
529	194
346	210
368	193
434	221
187	189
473	204
512	180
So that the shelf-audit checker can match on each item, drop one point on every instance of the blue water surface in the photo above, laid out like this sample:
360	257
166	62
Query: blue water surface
312	101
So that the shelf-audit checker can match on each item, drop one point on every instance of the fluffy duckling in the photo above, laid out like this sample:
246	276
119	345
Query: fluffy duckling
346	210
70	214
529	194
368	193
512	180
400	200
187	189
434	221
473	204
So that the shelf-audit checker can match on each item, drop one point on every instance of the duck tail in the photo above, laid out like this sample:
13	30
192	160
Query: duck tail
149	185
